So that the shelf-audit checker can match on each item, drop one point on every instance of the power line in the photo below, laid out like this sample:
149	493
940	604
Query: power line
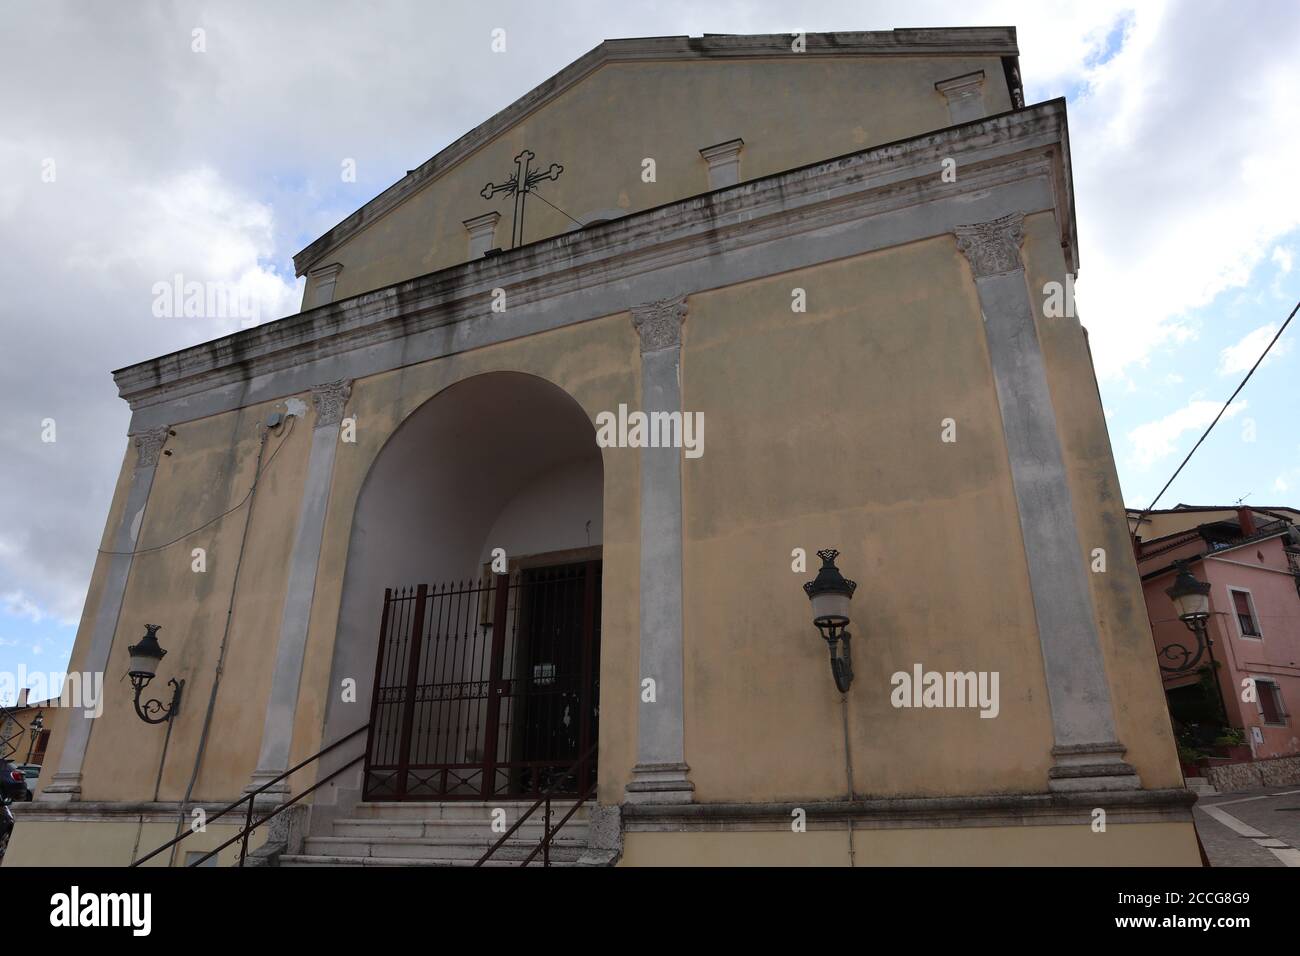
1138	523
206	524
555	207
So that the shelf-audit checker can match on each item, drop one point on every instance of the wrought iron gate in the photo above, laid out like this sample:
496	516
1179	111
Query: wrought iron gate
486	689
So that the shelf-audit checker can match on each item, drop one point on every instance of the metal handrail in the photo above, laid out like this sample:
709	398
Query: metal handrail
547	831
249	825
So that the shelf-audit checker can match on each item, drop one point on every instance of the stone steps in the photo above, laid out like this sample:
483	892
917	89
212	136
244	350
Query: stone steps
456	809
303	860
453	830
394	847
451	833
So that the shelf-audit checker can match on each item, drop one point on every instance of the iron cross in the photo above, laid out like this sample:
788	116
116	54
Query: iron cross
520	185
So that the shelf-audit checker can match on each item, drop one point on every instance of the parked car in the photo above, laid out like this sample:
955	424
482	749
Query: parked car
13	784
30	772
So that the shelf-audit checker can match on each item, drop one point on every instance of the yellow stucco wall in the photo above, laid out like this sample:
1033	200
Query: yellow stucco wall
1131	844
209	472
823	429
790	111
115	842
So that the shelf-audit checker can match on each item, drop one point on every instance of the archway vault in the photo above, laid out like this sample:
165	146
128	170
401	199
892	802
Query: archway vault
470	605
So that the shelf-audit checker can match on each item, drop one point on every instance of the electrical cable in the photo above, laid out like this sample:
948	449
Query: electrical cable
1137	525
206	524
537	195
258	471
157	789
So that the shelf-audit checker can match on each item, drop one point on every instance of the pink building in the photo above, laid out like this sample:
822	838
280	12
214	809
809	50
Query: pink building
1250	671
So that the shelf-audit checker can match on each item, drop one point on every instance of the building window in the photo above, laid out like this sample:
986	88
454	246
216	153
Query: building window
1270	702
1244	608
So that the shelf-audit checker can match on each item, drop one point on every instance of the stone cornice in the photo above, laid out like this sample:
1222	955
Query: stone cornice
1002	809
960	41
878	182
325	271
93	811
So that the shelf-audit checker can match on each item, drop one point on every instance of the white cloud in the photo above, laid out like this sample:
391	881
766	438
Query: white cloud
1280	485
1282	258
17	604
1170	218
1159	439
1245	353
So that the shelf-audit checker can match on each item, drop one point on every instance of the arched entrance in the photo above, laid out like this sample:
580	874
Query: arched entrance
475	556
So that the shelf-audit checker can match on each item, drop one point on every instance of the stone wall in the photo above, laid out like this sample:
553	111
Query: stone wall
1273	772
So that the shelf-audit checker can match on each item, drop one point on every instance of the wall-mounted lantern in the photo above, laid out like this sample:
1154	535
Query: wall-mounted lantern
1192	602
38	724
144	665
830	593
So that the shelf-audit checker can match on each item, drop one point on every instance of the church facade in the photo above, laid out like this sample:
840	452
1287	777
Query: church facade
524	499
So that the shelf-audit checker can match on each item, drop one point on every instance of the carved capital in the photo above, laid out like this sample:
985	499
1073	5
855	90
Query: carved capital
329	400
148	446
660	323
993	248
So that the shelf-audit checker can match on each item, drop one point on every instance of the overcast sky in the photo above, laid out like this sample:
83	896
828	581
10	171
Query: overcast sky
1184	130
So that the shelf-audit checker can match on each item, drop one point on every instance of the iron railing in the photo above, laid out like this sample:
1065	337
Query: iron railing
548	831
249	824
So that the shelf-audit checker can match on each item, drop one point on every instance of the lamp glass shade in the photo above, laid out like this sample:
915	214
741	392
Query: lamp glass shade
831	606
1192	605
143	664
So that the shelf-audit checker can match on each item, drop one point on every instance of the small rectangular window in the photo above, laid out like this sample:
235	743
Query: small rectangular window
1245	614
1270	702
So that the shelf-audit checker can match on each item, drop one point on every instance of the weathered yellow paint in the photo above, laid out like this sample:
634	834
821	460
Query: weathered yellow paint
1130	844
208	473
783	108
824	431
113	843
